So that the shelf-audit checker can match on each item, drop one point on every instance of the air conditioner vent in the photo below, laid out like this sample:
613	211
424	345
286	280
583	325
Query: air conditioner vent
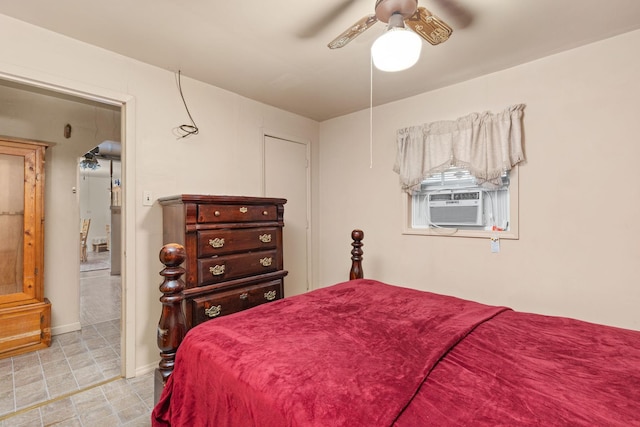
456	208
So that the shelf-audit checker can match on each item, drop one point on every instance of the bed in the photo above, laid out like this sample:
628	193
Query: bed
366	353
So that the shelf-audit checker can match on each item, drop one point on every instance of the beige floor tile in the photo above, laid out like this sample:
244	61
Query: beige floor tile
80	361
57	412
6	381
96	414
126	403
97	343
28	376
31	394
55	369
88	376
61	385
72	422
133	412
111	369
27	419
6	365
74	361
25	361
75	348
88	399
89	331
110	421
104	355
144	421
69	339
51	354
92	408
7	403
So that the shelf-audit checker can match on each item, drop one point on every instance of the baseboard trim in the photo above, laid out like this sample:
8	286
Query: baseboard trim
146	369
72	327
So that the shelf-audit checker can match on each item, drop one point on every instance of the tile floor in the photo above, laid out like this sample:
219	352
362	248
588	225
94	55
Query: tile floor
76	381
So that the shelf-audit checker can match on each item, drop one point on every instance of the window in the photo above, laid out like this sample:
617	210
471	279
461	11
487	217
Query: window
452	203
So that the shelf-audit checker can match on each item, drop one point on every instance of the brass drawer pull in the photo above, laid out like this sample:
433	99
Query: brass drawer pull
217	270
265	238
270	296
243	210
266	261
213	311
244	296
216	243
265	213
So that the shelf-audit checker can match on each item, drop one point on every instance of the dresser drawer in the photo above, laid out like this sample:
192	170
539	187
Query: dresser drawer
236	213
226	267
222	303
218	242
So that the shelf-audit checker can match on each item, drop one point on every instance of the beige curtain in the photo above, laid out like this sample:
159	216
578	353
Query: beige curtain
487	144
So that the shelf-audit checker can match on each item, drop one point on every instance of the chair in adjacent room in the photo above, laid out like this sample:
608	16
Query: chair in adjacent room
84	233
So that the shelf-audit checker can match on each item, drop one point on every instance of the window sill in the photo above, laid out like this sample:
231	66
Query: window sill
454	232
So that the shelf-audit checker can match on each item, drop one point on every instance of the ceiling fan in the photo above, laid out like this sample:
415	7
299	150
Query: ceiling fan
398	13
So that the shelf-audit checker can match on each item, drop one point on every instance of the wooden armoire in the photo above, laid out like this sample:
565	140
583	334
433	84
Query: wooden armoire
25	314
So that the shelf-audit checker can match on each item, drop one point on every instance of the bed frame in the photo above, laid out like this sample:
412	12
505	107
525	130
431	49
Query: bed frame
172	325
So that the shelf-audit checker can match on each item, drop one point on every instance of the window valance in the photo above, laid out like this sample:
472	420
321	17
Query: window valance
487	144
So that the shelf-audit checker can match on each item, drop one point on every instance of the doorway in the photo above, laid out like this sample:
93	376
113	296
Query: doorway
286	175
71	123
62	232
98	194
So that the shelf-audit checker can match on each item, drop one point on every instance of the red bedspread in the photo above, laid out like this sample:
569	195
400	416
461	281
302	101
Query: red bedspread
363	353
353	354
522	369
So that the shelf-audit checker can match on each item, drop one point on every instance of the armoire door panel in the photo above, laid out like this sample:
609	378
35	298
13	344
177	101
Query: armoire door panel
23	310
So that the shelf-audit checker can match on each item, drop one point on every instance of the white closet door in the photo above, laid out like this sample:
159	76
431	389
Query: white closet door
285	175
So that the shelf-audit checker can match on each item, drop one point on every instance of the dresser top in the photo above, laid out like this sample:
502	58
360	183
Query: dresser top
214	199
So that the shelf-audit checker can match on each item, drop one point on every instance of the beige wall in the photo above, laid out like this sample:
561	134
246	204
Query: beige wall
225	158
579	249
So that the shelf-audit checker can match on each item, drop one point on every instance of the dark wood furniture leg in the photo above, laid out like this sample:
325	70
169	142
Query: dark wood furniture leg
172	325
356	255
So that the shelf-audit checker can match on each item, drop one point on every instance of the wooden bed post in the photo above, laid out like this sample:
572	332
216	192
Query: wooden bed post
171	326
356	255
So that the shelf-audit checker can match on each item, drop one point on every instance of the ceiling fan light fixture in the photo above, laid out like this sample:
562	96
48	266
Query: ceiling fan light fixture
396	49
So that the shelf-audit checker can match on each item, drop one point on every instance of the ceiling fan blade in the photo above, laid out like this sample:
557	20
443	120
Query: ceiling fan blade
428	26
325	19
460	16
352	32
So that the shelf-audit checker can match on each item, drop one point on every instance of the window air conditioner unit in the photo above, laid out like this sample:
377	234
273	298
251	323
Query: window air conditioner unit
461	207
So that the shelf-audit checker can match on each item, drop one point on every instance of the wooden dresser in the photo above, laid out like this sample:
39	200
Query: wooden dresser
234	251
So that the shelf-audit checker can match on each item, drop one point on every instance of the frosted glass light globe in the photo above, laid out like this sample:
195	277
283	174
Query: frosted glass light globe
396	50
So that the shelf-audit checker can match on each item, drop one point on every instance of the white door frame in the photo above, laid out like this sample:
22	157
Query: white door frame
127	113
307	144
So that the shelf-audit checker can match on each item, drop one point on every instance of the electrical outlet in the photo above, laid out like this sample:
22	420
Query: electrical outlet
495	244
147	199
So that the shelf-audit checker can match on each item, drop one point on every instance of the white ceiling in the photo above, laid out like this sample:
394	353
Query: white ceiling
271	50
